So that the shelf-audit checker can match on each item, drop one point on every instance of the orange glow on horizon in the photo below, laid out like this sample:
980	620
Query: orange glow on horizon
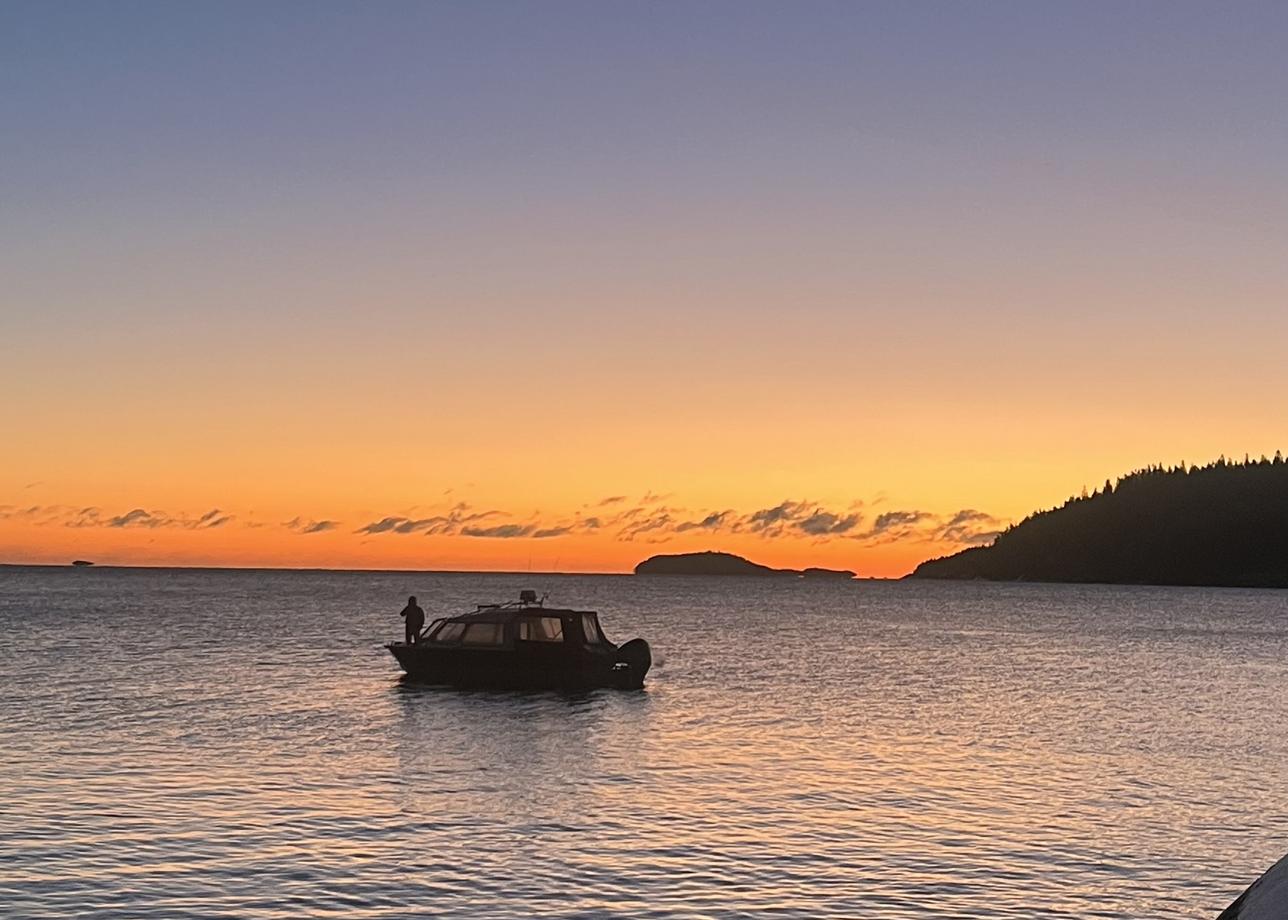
273	546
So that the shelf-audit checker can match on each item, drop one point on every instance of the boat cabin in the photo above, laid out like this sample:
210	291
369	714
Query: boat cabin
505	626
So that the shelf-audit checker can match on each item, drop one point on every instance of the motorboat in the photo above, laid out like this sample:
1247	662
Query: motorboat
523	644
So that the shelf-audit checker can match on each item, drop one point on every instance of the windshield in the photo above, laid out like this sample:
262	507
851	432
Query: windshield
449	632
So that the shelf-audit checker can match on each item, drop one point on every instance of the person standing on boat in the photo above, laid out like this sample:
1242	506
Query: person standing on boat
415	618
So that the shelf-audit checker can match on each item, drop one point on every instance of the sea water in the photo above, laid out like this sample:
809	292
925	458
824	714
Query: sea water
188	743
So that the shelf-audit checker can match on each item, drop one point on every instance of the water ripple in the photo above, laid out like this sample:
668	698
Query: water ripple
236	744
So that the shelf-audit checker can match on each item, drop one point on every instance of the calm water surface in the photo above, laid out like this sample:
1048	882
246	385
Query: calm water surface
236	744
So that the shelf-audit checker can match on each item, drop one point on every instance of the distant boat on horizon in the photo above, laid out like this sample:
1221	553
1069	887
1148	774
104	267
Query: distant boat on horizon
81	562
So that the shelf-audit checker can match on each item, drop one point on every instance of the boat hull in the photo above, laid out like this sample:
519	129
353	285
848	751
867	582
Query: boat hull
565	668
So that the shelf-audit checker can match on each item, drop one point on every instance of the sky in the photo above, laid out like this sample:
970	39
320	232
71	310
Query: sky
558	286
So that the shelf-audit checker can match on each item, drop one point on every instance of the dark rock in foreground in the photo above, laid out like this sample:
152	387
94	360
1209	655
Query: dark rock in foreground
1265	899
710	563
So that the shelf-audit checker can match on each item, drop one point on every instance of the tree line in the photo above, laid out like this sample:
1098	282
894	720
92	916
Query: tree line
1222	523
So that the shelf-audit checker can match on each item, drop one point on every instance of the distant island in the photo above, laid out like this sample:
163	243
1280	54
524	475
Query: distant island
81	562
711	563
1220	525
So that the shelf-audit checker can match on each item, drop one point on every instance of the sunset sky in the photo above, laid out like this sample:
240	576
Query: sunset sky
558	286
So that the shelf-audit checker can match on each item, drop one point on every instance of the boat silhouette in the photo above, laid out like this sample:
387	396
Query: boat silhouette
523	645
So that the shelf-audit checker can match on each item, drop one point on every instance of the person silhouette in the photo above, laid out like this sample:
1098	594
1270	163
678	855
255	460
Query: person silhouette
415	618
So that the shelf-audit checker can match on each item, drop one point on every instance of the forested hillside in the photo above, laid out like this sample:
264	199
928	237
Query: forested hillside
1225	523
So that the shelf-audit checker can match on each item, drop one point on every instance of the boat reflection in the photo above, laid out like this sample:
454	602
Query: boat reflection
487	759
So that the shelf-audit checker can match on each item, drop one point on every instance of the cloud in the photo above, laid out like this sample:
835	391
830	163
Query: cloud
138	517
967	527
646	521
443	524
85	517
970	527
384	525
635	527
135	518
306	525
967	515
824	523
502	531
210	520
771	520
979	538
31	511
713	521
552	532
403	525
462	521
786	519
892	526
892	519
804	517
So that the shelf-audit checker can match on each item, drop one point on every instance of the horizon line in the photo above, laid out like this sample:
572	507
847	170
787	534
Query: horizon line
269	568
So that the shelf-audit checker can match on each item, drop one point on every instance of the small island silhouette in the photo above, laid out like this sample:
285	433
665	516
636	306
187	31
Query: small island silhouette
1220	525
714	563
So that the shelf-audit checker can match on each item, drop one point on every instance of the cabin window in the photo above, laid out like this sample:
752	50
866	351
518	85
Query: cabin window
541	629
483	634
448	632
590	628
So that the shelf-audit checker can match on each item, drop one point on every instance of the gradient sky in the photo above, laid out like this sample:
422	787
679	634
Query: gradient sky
425	285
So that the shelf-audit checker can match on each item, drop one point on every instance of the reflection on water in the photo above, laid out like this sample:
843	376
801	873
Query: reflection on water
216	744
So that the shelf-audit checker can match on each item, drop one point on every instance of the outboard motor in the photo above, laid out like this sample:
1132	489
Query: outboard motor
634	658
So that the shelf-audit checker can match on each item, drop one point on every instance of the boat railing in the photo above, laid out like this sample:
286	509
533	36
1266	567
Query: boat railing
527	598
